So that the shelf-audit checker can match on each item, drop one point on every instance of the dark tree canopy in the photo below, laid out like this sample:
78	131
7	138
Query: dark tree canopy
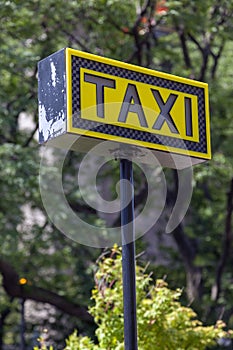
189	38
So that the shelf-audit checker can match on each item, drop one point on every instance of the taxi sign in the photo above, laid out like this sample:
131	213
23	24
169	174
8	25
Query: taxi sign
104	99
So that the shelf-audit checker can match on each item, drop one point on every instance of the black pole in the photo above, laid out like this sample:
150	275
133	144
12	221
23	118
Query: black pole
128	255
22	325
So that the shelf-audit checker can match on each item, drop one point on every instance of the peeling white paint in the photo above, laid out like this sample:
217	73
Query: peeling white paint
59	126
53	74
44	125
53	127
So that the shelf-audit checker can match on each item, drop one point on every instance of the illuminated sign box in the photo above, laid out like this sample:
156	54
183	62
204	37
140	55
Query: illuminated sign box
134	108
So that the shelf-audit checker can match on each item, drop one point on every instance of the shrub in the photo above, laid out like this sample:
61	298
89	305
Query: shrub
163	323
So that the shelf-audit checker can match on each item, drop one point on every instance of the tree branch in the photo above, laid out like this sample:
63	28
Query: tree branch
28	291
184	46
205	52
28	141
194	40
141	42
75	40
194	273
187	249
227	241
216	58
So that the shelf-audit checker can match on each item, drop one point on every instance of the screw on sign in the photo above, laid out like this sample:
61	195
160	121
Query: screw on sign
133	108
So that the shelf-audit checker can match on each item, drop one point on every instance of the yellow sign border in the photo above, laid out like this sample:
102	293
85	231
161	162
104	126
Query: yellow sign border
115	63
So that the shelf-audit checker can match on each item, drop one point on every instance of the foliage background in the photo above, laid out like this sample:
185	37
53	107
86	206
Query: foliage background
198	254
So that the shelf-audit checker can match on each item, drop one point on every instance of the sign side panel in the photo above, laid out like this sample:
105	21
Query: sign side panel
69	89
51	95
208	133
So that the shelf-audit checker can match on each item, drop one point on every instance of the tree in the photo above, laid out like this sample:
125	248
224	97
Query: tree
197	44
163	323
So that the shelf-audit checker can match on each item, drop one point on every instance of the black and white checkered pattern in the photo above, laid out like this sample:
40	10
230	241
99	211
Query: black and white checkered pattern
127	133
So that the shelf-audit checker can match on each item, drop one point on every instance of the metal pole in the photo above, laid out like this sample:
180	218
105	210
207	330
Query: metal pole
22	325
128	255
